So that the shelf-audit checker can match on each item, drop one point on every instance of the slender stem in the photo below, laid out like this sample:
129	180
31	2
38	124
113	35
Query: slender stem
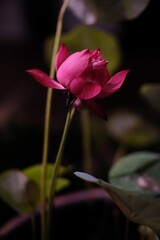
58	35
44	163
58	162
47	120
86	141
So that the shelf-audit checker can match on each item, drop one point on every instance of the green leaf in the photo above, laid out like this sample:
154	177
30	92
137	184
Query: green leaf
94	38
18	191
131	129
134	162
137	171
142	208
34	173
151	92
92	11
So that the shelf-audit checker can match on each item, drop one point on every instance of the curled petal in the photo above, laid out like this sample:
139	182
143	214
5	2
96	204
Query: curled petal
114	83
99	64
96	108
61	56
84	90
44	79
98	76
73	67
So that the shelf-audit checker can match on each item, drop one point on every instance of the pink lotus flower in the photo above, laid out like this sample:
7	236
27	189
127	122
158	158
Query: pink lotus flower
83	75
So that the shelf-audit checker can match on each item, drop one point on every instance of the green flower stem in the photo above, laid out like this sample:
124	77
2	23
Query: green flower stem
58	35
86	141
44	164
47	120
58	162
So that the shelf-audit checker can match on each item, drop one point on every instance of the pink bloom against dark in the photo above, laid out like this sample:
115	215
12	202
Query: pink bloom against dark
83	74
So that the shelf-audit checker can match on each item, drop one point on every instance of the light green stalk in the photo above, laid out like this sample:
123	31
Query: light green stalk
47	120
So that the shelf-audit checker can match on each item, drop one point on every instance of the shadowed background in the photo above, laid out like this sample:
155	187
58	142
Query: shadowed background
24	27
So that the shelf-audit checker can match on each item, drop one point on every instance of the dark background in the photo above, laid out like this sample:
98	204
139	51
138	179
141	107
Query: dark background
24	26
